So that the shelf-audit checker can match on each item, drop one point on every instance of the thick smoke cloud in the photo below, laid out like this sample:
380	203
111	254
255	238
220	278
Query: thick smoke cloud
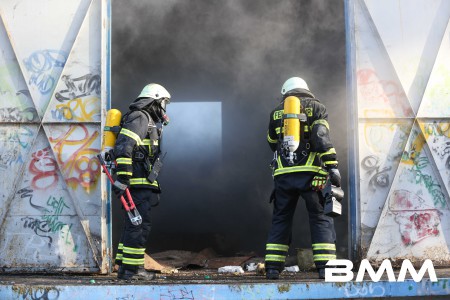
238	52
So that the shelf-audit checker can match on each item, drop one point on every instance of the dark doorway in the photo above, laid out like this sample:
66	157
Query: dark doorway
237	53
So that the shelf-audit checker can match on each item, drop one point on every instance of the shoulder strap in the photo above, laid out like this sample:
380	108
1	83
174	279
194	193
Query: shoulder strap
148	117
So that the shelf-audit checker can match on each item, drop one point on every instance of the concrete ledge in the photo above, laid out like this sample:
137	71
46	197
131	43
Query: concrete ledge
216	290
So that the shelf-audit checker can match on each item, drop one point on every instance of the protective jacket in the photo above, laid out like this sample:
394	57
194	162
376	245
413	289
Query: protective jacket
315	148
315	151
137	146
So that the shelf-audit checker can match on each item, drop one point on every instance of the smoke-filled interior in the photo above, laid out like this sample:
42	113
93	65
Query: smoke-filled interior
224	63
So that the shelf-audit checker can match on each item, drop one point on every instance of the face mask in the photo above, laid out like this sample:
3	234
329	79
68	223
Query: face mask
165	118
158	111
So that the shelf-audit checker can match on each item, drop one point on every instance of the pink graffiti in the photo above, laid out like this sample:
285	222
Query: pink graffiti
417	226
43	167
416	221
373	89
401	200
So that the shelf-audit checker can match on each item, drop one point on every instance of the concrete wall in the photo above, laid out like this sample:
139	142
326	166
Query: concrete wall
52	98
399	71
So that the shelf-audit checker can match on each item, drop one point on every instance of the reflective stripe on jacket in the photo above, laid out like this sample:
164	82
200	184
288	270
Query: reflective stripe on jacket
135	148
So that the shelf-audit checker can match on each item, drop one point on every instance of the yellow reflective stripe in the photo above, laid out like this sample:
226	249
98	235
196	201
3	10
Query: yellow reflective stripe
149	142
132	135
311	157
279	247
287	170
120	246
133	261
321	121
119	256
124	173
330	151
320	257
273	257
278	130
145	181
324	246
271	140
130	250
331	162
280	165
278	114
124	161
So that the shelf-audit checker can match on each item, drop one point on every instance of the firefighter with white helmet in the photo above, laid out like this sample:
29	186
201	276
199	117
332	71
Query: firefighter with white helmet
304	159
136	150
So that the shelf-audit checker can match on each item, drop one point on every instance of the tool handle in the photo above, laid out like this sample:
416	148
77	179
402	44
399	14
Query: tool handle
122	199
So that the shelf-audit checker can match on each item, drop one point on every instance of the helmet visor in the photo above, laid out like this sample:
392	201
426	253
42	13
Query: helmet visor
163	103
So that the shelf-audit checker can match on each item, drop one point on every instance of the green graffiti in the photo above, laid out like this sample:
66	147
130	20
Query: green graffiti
428	181
52	219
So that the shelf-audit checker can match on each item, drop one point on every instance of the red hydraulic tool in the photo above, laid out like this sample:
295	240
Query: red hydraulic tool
128	203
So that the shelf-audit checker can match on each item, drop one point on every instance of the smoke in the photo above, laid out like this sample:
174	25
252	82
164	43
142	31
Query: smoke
239	53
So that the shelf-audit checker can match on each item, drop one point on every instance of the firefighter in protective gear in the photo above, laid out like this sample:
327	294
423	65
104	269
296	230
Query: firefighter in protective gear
137	146
315	161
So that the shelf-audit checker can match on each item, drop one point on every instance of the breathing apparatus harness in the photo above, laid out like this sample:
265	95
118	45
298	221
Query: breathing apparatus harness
292	132
141	154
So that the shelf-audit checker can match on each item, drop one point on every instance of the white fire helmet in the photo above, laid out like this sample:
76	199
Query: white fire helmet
294	83
155	91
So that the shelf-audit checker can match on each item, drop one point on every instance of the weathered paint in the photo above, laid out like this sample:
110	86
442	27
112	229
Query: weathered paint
248	291
400	70
53	92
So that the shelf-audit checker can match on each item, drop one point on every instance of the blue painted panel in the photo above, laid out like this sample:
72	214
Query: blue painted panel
281	290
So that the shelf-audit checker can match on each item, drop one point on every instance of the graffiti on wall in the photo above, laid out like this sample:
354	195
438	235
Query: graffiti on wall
12	145
50	82
77	99
41	66
404	169
49	222
43	168
420	171
79	110
76	156
79	87
416	221
384	98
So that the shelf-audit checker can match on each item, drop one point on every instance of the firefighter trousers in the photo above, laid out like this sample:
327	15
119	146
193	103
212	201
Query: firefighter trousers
288	189
131	249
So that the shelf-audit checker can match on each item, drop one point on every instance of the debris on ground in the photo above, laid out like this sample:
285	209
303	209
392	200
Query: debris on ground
260	269
250	267
231	269
294	269
178	259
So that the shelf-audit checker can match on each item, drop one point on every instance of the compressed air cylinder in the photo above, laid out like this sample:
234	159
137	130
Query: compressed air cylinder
291	126
113	118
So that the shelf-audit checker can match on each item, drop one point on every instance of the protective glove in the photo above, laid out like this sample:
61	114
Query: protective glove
319	181
120	186
335	177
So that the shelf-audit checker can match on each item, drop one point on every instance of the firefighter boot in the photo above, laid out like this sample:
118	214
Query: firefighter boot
140	274
321	273
272	274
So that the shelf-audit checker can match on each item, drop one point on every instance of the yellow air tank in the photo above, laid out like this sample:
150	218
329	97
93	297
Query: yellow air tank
291	126
113	118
